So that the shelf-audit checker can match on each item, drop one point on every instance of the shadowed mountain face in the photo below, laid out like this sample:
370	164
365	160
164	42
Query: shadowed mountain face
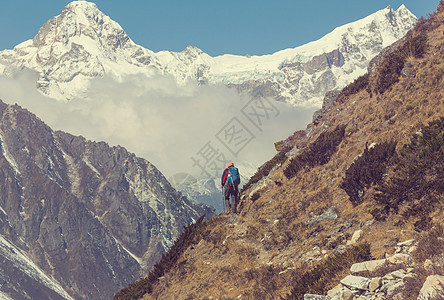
91	217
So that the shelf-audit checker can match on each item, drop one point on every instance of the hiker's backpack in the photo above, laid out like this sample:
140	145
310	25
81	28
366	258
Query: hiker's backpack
233	176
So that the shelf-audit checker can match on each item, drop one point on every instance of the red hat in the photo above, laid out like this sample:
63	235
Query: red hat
230	165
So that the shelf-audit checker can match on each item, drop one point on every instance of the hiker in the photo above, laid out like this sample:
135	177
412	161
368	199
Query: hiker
230	181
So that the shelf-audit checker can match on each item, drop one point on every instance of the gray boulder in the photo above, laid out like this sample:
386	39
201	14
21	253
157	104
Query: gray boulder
315	297
367	266
356	282
329	214
433	288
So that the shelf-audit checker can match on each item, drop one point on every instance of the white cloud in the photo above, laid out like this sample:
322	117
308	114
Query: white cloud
158	120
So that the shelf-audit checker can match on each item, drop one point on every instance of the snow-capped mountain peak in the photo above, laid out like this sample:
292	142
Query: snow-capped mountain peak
82	43
72	48
81	19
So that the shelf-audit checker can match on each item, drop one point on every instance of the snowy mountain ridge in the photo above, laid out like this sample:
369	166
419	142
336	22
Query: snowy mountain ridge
82	43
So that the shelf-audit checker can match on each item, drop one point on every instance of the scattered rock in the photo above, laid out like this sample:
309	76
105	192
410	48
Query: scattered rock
341	227
340	249
335	290
406	243
315	297
366	223
327	103
340	292
356	282
408	70
411	249
433	288
330	214
392	242
398	274
375	284
392	285
404	247
356	236
393	288
315	252
292	152
428	265
260	184
347	294
367	266
309	130
399	258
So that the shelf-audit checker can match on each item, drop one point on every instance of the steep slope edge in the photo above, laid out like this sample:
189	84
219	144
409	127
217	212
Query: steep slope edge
295	225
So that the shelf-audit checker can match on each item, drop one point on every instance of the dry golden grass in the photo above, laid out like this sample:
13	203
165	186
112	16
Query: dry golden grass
260	254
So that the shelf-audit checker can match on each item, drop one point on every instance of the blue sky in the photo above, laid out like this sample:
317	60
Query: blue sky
217	27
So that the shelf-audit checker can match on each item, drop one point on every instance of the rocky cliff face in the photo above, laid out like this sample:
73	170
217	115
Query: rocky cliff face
89	216
82	43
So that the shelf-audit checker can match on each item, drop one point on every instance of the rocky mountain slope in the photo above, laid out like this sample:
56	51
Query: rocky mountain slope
78	218
82	43
352	209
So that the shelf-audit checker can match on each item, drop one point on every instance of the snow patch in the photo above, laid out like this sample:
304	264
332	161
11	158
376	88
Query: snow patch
3	211
8	156
73	174
27	266
88	163
4	296
136	258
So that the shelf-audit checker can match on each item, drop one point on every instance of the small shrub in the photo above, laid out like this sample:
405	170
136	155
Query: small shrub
358	85
393	63
391	68
438	78
416	46
252	232
262	282
255	196
409	107
430	244
412	285
418	182
318	153
367	170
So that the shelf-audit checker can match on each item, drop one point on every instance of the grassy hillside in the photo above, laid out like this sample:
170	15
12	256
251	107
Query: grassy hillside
373	163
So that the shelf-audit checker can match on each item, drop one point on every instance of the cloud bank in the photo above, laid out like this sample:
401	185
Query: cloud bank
192	129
